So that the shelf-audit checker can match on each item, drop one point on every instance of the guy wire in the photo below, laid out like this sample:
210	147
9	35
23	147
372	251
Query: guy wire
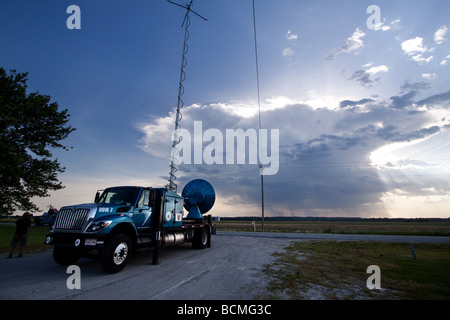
257	63
259	113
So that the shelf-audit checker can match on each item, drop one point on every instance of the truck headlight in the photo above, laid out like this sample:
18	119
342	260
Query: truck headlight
97	226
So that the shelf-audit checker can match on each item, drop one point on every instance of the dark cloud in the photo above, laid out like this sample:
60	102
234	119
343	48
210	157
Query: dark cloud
365	79
415	86
400	102
350	103
405	100
442	99
416	134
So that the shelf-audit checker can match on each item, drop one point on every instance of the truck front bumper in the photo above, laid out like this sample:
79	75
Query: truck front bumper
76	240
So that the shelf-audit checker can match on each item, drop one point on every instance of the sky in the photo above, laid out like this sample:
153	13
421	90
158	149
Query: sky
359	92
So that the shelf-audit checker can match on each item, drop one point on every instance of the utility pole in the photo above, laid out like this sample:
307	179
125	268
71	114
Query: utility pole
262	196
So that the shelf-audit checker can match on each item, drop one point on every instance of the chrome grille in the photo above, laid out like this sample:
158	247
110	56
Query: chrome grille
69	219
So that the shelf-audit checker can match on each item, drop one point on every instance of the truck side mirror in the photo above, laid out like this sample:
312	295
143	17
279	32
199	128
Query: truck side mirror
151	198
97	196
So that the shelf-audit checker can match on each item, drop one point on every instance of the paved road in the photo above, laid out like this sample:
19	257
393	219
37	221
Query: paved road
229	270
339	237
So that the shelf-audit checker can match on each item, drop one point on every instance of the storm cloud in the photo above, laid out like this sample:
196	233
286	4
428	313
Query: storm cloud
325	165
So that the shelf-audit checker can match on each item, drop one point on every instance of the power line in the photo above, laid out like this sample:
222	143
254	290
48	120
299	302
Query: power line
257	63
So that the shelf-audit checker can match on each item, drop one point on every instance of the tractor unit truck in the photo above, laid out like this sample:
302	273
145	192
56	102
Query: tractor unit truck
122	219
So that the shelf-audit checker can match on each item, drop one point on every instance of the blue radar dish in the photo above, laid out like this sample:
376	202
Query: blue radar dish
199	197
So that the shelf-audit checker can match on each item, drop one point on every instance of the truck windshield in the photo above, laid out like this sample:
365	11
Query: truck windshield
120	196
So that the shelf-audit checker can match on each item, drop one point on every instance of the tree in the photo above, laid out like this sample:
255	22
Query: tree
30	126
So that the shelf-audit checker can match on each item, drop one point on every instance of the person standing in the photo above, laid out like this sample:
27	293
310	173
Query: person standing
21	235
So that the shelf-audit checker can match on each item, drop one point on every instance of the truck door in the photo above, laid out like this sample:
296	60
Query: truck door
142	212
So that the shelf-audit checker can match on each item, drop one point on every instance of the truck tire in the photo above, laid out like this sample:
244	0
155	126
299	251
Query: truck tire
116	252
200	240
65	256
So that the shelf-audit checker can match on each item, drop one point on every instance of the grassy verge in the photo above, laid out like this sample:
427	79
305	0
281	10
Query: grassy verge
337	270
35	242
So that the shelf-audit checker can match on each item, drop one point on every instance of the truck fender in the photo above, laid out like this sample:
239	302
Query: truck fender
126	228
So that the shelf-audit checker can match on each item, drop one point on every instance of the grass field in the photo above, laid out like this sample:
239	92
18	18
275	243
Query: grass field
371	226
35	242
337	270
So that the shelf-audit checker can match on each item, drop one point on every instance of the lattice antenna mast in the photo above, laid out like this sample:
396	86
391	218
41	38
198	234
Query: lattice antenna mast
175	138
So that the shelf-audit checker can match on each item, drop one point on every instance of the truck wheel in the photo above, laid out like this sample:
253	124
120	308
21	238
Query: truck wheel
200	240
65	256
115	254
